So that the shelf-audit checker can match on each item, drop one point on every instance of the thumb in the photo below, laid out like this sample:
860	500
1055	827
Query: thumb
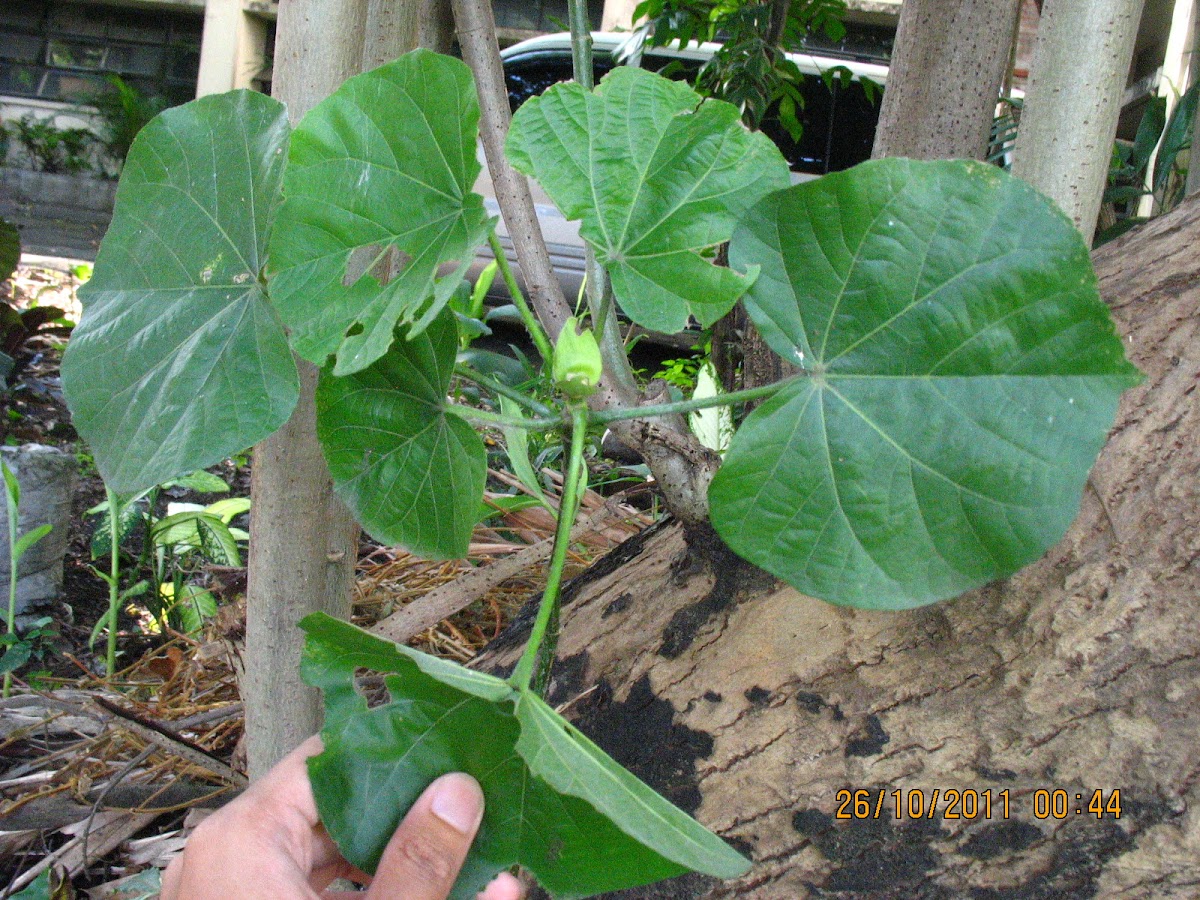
424	856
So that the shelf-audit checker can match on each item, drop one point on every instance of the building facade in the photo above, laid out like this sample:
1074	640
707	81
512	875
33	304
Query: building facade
54	53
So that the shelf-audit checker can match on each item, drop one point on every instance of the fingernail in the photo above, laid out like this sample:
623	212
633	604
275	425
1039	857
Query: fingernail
458	801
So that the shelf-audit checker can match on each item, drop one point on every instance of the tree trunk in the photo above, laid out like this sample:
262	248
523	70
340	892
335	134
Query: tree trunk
751	705
1080	66
947	68
304	542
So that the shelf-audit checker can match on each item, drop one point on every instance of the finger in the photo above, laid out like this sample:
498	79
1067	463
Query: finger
503	887
425	854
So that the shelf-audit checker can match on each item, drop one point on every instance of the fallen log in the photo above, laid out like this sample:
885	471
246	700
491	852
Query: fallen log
752	706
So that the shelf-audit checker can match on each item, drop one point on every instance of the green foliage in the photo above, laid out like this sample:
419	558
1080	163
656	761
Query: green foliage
179	360
958	374
749	69
18	325
48	148
10	249
348	263
1129	170
411	472
556	803
656	182
961	376
16	652
159	559
123	111
34	643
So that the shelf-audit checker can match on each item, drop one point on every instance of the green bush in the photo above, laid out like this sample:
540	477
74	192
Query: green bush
51	149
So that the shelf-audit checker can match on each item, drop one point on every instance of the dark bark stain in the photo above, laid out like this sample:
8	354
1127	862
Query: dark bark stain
713	697
617	606
995	774
874	858
869	740
570	678
814	703
758	696
1083	848
734	579
1003	837
641	734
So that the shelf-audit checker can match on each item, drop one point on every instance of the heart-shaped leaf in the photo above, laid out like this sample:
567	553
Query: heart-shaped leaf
179	361
962	373
555	803
411	472
657	175
379	202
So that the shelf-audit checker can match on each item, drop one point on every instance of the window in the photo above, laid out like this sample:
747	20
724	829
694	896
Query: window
59	51
540	15
839	120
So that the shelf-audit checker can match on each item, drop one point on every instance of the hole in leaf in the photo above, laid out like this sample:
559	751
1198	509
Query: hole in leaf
447	268
372	687
381	262
356	328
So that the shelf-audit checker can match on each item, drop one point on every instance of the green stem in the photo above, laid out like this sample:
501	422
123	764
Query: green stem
527	316
581	43
684	406
603	417
522	676
499	387
114	571
12	587
485	417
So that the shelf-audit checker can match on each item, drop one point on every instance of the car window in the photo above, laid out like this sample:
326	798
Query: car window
529	75
839	120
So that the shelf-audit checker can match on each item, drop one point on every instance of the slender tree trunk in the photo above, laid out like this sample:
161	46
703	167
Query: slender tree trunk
947	69
1080	67
752	706
304	541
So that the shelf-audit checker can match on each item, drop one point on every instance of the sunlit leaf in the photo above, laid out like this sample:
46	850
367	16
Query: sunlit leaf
555	803
656	176
179	361
379	202
411	472
962	373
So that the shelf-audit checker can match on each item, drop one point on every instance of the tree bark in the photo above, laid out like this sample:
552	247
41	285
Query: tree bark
751	705
1080	67
304	542
947	68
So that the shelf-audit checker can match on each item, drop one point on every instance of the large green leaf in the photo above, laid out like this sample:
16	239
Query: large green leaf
555	803
411	472
657	176
962	373
179	361
378	202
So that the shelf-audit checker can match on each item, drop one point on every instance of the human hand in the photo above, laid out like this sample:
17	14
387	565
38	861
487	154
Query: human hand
268	844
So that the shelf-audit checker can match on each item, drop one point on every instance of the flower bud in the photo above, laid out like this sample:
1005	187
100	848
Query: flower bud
577	364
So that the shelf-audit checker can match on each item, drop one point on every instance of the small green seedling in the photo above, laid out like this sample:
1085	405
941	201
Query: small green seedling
16	652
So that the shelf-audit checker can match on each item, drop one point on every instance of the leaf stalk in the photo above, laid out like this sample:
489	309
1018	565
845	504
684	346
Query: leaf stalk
114	574
545	627
518	298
